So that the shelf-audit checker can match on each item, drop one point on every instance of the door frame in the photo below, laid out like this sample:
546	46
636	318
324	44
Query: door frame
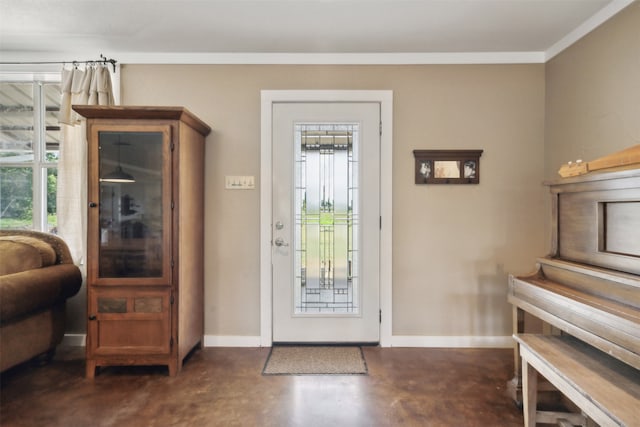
268	98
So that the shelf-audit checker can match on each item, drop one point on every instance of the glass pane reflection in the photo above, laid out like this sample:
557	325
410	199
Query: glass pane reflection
130	209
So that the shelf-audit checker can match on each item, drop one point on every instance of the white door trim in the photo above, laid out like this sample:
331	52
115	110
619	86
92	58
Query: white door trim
385	98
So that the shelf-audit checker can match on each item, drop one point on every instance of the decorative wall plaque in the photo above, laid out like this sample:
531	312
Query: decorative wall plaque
447	166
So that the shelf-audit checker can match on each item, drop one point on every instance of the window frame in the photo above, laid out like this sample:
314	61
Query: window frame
39	165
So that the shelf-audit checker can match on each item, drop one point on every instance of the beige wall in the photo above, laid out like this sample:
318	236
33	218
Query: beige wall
453	245
593	93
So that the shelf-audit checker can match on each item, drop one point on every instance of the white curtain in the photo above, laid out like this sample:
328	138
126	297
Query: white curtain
90	86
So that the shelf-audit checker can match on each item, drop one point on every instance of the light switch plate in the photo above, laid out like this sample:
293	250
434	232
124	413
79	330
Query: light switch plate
239	182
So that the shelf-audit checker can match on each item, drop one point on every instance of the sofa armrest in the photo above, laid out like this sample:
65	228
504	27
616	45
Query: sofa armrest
29	291
62	250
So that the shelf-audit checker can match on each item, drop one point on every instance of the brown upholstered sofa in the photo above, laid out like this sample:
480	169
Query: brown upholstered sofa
37	276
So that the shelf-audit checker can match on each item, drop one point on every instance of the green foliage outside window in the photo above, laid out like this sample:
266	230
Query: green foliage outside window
16	197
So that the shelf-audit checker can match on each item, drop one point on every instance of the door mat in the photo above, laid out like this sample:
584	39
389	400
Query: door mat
315	360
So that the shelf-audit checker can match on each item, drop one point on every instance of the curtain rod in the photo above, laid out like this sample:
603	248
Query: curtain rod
103	59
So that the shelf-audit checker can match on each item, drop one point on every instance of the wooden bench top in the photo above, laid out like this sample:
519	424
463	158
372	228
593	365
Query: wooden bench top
589	376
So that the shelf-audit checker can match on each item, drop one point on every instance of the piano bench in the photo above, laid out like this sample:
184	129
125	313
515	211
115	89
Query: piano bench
605	389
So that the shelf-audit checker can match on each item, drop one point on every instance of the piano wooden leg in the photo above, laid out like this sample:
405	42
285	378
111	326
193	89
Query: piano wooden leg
514	386
530	394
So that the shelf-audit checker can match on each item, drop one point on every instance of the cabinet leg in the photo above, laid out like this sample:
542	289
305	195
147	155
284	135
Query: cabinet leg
91	369
174	368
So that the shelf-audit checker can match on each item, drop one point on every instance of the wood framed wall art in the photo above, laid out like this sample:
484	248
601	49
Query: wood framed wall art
447	166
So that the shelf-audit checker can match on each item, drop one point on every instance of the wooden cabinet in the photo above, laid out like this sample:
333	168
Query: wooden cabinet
145	229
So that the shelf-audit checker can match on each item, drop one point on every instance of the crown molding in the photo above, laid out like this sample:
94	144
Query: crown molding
586	27
334	58
407	58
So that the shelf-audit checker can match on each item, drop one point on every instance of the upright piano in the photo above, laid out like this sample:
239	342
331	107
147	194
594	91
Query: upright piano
589	284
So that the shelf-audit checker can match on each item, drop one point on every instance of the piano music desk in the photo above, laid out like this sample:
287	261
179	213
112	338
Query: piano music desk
604	388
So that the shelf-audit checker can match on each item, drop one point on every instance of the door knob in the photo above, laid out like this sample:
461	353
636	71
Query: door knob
280	242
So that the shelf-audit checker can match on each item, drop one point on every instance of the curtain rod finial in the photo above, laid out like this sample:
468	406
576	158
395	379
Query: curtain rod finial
109	60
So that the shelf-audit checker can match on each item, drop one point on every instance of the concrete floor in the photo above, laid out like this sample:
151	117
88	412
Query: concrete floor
224	387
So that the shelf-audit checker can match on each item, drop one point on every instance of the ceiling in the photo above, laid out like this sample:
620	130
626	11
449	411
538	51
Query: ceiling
132	30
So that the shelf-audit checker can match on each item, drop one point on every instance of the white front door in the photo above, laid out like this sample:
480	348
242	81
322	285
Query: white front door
326	221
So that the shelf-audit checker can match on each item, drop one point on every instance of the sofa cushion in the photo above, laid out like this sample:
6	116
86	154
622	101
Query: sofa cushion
22	253
27	292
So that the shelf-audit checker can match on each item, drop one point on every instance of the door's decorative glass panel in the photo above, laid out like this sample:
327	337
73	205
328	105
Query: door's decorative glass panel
326	219
130	204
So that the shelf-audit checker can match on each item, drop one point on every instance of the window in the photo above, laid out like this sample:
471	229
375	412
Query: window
29	151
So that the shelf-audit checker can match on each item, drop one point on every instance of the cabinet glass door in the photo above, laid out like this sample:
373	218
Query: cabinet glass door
132	189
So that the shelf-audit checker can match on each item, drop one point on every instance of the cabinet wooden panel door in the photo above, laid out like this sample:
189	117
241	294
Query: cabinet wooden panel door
132	321
145	273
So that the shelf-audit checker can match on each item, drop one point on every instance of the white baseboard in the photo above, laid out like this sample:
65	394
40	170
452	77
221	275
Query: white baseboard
79	340
74	340
231	341
396	341
452	341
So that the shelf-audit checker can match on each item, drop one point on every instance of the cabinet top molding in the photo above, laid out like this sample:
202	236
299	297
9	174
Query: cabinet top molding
135	112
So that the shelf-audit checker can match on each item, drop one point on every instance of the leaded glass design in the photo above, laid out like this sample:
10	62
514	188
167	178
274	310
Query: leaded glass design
326	219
